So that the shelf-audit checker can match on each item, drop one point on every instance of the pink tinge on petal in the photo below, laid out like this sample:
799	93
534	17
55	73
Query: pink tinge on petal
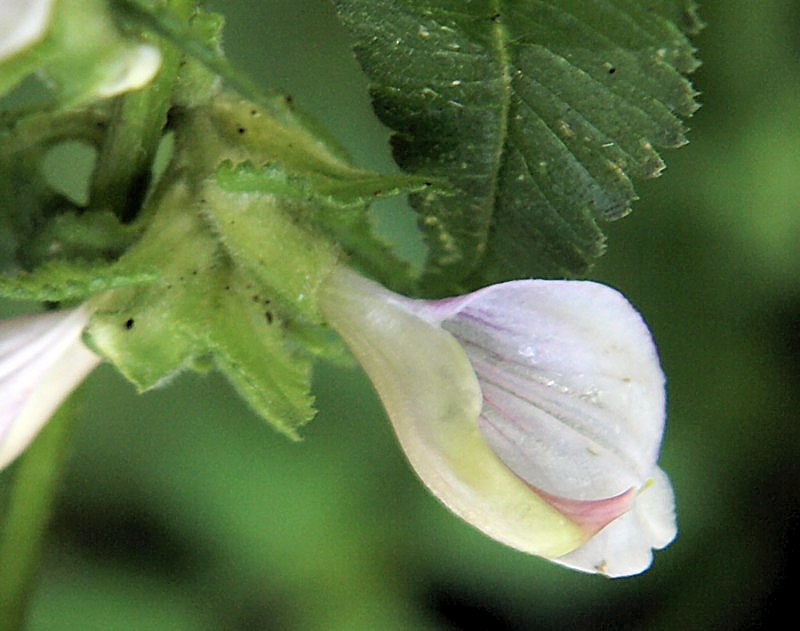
591	515
557	458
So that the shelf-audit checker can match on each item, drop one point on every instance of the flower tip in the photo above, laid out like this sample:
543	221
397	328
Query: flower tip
42	360
22	24
624	547
131	71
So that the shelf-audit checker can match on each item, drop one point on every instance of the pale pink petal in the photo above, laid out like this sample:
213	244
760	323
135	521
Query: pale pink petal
42	360
573	393
560	453
432	397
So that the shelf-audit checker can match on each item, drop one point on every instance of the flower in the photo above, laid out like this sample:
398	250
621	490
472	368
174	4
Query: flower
42	360
22	24
532	409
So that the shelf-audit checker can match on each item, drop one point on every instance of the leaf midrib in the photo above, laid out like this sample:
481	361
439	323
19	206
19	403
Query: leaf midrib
500	40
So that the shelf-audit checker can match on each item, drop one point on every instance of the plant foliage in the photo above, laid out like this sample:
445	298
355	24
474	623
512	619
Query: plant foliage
538	112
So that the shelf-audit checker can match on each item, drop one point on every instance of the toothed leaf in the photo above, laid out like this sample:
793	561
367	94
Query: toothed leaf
539	113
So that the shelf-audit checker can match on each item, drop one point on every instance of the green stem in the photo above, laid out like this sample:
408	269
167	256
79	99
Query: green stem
30	504
124	164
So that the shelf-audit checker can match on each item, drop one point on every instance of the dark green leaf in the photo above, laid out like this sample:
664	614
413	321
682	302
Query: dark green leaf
539	113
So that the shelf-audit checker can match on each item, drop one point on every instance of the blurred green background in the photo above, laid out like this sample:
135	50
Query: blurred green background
181	510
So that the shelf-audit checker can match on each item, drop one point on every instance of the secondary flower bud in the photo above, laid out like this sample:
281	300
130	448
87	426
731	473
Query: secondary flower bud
532	409
42	360
75	46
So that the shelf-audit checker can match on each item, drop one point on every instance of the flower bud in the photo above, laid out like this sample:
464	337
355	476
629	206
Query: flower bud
42	360
533	409
22	24
75	46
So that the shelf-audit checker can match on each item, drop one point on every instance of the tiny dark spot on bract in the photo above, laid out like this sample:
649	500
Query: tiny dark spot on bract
129	324
612	70
253	112
241	130
495	17
268	316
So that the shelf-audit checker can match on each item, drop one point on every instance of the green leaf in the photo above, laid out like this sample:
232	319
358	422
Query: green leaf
337	205
351	188
60	280
538	112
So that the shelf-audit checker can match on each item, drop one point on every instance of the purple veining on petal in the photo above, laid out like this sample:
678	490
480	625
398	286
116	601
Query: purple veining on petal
511	341
571	417
560	411
484	321
504	379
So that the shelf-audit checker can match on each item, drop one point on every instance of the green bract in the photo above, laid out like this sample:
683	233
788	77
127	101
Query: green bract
240	253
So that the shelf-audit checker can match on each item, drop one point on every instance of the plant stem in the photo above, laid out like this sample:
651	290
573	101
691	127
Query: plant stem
124	163
30	504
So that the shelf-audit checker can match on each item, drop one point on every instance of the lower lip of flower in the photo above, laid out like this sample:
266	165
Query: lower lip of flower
590	516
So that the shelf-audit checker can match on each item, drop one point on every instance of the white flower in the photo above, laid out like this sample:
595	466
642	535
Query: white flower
532	409
22	24
42	360
131	70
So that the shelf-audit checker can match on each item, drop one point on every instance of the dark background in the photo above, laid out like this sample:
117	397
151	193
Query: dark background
182	510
